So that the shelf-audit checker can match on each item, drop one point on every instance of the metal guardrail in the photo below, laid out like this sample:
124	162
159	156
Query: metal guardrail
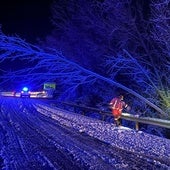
8	93
126	116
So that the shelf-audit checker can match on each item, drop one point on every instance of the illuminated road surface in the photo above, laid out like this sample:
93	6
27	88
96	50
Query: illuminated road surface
37	136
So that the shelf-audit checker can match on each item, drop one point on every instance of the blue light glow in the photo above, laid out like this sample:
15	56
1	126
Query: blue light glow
25	89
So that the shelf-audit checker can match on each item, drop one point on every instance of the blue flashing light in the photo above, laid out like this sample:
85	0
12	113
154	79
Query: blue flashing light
25	89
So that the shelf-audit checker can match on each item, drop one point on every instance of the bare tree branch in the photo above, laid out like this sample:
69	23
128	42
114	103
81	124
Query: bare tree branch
50	66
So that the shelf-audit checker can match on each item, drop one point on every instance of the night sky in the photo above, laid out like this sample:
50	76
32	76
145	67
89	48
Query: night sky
26	18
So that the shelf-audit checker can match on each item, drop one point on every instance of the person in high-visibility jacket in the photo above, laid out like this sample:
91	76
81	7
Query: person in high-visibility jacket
117	105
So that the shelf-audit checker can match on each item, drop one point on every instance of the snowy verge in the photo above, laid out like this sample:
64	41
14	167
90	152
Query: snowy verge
125	138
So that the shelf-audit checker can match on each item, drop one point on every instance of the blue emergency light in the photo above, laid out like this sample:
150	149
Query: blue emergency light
25	89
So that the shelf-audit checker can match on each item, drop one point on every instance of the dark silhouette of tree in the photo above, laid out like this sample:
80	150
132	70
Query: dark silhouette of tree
83	30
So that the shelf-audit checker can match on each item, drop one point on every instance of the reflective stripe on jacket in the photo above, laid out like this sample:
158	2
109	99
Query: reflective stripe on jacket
117	104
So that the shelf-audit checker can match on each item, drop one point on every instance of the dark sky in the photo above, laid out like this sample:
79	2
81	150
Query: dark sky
27	18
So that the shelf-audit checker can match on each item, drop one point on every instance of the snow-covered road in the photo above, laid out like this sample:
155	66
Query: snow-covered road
34	135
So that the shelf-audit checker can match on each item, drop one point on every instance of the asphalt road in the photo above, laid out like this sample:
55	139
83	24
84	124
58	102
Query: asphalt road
32	140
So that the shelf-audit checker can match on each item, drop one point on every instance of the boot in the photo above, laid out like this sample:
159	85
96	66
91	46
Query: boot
118	123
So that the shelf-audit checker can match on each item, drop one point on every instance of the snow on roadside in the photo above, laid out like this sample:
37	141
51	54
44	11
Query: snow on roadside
125	138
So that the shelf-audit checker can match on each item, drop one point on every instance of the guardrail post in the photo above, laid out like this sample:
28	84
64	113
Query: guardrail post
137	125
102	114
103	117
74	108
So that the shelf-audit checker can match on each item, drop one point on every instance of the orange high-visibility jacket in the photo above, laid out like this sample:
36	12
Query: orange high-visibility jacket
118	104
